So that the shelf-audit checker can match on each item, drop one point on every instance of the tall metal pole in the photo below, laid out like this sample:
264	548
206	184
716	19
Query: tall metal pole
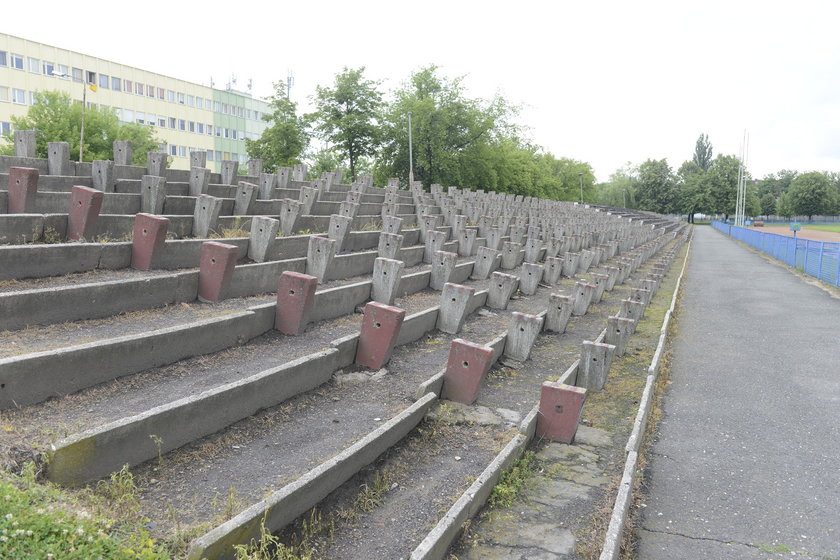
580	175
84	107
410	155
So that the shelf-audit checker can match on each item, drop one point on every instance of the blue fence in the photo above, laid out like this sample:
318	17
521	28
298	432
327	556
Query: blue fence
819	259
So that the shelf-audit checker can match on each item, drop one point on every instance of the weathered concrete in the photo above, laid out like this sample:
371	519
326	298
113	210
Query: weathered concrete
454	307
387	274
443	266
522	333
501	288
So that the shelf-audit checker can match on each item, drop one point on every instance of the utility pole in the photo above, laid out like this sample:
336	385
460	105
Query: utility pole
410	155
580	175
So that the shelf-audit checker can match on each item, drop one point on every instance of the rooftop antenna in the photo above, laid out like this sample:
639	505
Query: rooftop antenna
290	81
250	84
212	83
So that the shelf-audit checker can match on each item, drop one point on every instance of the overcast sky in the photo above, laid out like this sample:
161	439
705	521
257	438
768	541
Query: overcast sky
603	82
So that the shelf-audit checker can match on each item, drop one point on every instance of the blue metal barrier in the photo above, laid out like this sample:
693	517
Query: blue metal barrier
819	259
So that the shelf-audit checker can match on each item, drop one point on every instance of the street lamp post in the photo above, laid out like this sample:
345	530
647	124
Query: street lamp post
84	108
580	176
410	155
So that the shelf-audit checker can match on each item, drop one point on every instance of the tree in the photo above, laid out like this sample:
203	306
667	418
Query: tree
655	187
810	194
347	115
784	207
452	135
57	119
768	205
776	183
703	153
620	189
722	186
692	185
284	141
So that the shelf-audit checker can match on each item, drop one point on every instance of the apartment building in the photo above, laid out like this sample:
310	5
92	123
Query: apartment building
186	116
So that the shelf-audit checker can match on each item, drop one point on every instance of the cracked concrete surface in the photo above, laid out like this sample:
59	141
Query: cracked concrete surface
745	463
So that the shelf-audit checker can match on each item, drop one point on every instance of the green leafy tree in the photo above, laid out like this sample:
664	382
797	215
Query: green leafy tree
282	144
692	186
811	194
348	115
619	190
722	185
703	153
452	135
752	205
57	119
784	206
768	205
656	186
776	183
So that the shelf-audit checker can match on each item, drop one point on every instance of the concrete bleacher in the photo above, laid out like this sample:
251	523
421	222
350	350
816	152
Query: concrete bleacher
332	275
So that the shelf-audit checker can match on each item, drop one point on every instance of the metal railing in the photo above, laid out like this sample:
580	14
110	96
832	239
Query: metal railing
820	259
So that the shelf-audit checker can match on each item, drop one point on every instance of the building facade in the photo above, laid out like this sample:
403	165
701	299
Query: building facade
186	116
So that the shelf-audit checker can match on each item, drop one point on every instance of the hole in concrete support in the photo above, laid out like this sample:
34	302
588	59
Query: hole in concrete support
466	364
145	231
291	292
213	261
377	325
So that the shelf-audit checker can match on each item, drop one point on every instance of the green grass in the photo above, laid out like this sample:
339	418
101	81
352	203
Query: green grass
823	227
512	481
42	521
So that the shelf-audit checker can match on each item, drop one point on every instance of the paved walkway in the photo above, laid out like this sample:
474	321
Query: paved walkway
747	462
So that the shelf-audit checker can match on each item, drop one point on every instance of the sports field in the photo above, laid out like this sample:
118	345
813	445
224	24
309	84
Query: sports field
823	232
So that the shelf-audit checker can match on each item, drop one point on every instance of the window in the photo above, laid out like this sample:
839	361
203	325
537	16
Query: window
118	112
180	98
4	93
209	130
5	127
77	75
170	96
64	71
161	93
227	133
32	99
217	106
128	115
116	84
91	77
190	101
128	86
182	124
172	122
199	102
209	155
18	96
150	91
17	61
104	81
138	88
191	126
4	58
218	155
182	151
151	119
257	115
34	65
233	134
248	113
173	150
162	122
225	108
219	131
201	128
141	117
48	68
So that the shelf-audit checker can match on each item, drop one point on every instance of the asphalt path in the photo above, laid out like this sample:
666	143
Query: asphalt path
746	463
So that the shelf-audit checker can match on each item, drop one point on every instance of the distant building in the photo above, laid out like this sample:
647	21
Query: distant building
186	116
